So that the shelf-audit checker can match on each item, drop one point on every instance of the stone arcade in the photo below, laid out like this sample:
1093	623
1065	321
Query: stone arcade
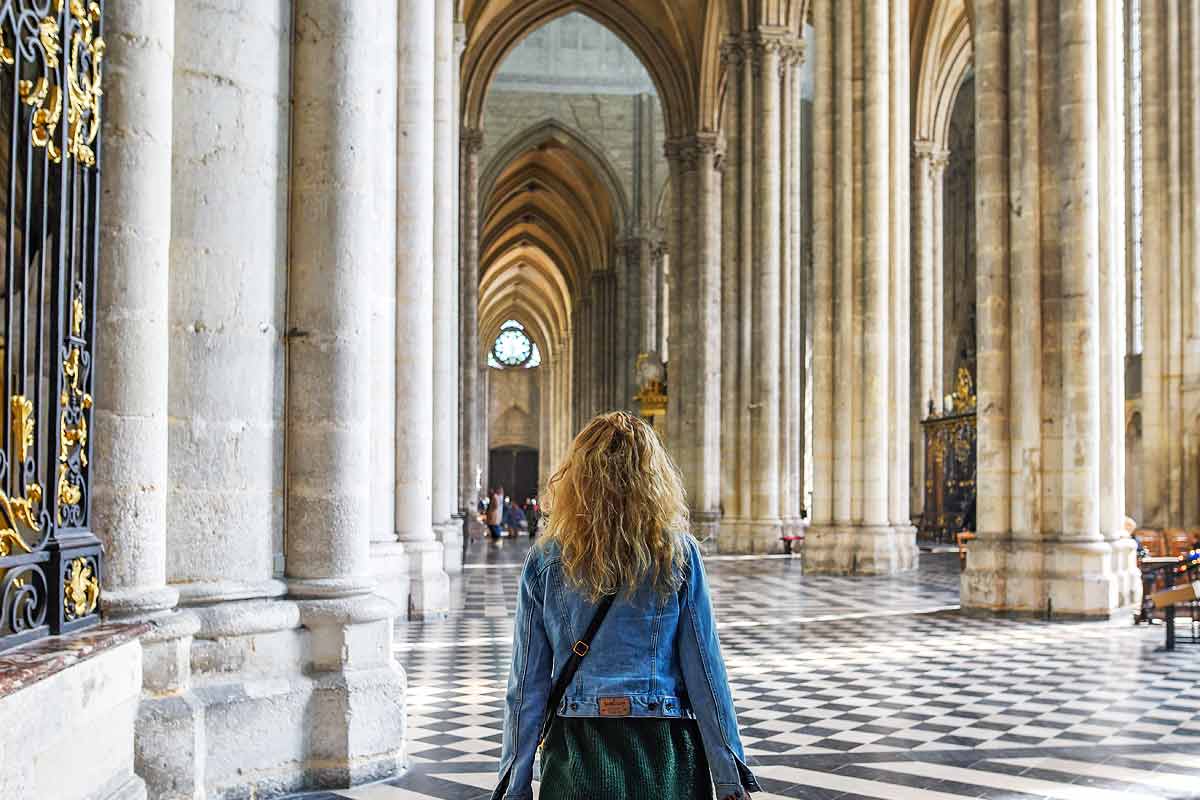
293	235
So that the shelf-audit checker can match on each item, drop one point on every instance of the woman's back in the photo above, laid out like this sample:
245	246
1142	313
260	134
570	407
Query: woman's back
647	712
634	656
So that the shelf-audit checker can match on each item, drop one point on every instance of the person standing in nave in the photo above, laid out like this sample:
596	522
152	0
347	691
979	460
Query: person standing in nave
616	545
495	512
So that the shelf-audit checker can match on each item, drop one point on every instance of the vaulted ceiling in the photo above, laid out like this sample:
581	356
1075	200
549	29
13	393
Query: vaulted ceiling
551	211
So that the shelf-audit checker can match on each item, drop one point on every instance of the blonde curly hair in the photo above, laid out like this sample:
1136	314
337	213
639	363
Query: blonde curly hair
617	510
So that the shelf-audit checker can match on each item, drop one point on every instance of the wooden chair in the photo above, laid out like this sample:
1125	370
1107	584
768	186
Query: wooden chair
1152	540
1178	541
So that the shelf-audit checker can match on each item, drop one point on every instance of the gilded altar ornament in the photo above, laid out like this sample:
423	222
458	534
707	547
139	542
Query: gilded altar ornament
22	425
652	394
963	399
81	589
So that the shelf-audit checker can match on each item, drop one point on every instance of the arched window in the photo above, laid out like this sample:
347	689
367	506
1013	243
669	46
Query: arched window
513	348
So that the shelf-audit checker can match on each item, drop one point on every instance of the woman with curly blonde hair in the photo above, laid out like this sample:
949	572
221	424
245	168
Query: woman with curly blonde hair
616	577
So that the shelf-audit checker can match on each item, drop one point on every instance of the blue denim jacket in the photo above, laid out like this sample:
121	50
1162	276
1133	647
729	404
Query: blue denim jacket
662	654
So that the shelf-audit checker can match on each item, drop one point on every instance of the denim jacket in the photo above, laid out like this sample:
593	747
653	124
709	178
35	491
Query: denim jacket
654	656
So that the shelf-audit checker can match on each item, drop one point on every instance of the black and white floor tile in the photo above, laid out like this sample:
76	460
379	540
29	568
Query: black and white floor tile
848	689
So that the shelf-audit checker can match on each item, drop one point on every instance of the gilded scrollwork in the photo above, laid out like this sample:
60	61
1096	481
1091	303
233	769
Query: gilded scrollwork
42	91
81	588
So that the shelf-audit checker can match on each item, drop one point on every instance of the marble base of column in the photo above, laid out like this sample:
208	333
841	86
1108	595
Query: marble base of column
451	537
860	550
730	534
204	592
429	587
138	603
706	527
762	536
355	732
1055	579
169	743
390	567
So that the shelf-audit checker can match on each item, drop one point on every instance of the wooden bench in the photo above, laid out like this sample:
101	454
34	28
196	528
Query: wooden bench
1168	600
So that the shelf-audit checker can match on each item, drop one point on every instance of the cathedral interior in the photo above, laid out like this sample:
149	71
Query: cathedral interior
910	289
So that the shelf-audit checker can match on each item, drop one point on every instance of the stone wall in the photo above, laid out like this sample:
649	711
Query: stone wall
513	407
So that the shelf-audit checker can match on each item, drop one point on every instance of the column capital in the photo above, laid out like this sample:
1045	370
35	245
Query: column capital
733	52
472	139
690	149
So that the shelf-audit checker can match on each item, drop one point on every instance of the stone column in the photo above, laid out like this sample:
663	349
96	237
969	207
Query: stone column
900	276
788	504
226	339
356	686
661	314
473	459
796	376
129	492
821	515
446	523
389	563
926	391
415	275
695	376
1042	545
1113	238
854	219
1171	265
733	58
942	361
130	436
764	458
746	242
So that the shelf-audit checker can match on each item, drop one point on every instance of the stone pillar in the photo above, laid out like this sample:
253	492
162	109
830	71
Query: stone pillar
1113	238
900	275
854	520
1171	265
129	492
473	459
695	376
942	361
765	333
446	522
732	408
1043	547
661	314
356	733
226	339
795	373
927	391
415	277
825	131
389	563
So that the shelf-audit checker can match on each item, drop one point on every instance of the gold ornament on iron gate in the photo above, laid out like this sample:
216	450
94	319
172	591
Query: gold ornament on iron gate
51	78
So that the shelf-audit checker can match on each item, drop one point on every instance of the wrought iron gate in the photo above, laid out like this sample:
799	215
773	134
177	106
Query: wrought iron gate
51	53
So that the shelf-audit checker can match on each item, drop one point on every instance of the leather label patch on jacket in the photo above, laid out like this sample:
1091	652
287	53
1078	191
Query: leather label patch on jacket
614	706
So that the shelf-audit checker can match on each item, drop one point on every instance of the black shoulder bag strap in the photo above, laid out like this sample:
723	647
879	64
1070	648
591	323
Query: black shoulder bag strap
578	651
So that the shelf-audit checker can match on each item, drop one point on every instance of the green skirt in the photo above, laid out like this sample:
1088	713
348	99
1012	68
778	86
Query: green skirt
585	758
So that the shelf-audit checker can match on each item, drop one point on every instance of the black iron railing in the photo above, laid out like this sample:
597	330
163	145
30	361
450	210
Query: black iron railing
51	54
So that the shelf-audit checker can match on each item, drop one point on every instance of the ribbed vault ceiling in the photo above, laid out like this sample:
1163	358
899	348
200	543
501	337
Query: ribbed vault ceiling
549	219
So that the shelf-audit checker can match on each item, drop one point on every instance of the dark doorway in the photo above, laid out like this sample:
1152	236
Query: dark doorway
516	469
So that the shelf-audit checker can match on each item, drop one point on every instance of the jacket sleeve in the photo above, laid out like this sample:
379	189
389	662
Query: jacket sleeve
708	685
528	684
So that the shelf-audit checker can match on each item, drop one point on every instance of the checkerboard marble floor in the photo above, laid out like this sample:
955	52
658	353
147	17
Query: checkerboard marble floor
850	688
